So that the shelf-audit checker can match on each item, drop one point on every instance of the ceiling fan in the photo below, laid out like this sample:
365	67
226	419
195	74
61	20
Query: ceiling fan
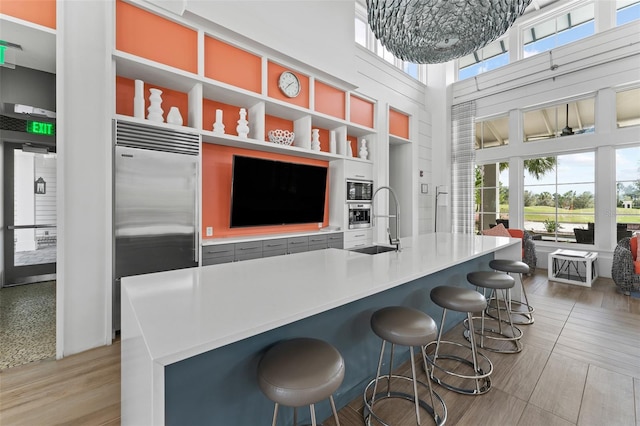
567	131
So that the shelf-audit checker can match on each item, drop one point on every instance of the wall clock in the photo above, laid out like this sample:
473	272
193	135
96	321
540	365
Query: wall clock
289	84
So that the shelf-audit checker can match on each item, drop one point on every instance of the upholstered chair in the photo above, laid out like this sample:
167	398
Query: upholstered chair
623	269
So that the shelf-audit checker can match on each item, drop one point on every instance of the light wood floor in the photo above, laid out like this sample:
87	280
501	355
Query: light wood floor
580	365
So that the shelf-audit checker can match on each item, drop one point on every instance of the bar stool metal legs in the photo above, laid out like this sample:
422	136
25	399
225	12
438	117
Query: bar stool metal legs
494	281
469	301
404	326
521	311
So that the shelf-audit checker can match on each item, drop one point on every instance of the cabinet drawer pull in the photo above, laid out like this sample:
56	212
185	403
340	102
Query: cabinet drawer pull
297	242
360	235
219	251
358	245
275	245
360	176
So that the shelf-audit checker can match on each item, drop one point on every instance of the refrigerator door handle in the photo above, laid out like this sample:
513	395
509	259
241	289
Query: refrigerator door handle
196	215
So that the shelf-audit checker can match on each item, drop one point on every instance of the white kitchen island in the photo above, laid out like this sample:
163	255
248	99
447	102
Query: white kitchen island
192	338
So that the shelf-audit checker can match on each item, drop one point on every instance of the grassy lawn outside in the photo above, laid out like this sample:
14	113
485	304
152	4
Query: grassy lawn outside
542	213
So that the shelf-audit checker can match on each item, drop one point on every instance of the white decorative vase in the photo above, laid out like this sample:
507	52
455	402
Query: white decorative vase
243	129
364	152
349	149
218	126
138	99
155	106
332	141
315	139
174	117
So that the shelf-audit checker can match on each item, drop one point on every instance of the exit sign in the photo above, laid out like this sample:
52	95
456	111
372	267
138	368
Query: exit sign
2	49
41	128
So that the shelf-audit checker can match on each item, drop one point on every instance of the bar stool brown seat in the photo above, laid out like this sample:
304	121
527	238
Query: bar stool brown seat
469	301
400	325
301	371
523	315
499	333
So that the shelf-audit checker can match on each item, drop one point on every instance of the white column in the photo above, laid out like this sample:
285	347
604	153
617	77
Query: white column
85	106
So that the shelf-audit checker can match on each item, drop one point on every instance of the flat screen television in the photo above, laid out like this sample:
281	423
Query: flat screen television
271	192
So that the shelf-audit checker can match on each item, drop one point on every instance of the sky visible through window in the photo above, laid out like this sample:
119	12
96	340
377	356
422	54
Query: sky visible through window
559	39
576	168
628	14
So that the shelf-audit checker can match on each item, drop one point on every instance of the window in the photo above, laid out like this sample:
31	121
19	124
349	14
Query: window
559	197
627	11
558	31
364	37
490	57
491	195
560	120
492	133
628	108
628	191
362	29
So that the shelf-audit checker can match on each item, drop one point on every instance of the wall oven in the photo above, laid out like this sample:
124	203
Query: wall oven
359	191
359	216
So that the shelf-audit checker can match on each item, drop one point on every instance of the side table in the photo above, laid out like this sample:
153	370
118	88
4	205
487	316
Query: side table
573	267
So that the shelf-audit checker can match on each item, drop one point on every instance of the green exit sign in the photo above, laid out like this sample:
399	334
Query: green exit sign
2	49
41	128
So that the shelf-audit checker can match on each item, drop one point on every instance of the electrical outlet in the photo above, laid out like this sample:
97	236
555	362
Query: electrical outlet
209	231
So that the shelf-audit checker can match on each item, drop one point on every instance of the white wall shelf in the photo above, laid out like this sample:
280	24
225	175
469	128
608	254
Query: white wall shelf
397	140
154	73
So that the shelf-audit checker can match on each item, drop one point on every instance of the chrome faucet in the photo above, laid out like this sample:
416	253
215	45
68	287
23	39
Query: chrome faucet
393	241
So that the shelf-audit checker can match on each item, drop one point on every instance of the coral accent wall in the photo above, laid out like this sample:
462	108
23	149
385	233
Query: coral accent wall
329	100
230	116
353	141
41	12
231	65
398	124
217	163
125	90
361	111
150	36
273	123
273	73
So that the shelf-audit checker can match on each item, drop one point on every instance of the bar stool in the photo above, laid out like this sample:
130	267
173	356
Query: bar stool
519	317
495	281
403	326
469	301
299	372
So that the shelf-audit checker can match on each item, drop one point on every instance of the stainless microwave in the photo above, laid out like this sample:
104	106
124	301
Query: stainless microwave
359	191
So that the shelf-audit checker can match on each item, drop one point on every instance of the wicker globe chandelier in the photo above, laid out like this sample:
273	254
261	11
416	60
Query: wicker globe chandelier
434	31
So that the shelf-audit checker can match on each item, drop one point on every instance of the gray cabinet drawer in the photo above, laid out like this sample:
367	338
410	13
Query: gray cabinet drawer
276	247
216	260
222	250
248	250
335	241
317	242
297	244
222	253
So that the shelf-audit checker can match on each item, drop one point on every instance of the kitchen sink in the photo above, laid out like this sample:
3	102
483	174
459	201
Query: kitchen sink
373	249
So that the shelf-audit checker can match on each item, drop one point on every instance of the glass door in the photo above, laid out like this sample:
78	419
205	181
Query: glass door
30	214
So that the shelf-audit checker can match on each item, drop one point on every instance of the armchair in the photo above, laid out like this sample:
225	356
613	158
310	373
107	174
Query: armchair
625	269
528	248
528	245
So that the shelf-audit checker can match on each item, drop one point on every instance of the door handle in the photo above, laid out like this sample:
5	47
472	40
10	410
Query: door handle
12	227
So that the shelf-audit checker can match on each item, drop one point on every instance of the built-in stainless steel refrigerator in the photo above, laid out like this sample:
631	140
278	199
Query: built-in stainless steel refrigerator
155	202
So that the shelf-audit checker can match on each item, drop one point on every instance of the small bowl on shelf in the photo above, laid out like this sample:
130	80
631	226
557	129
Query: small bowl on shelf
282	137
